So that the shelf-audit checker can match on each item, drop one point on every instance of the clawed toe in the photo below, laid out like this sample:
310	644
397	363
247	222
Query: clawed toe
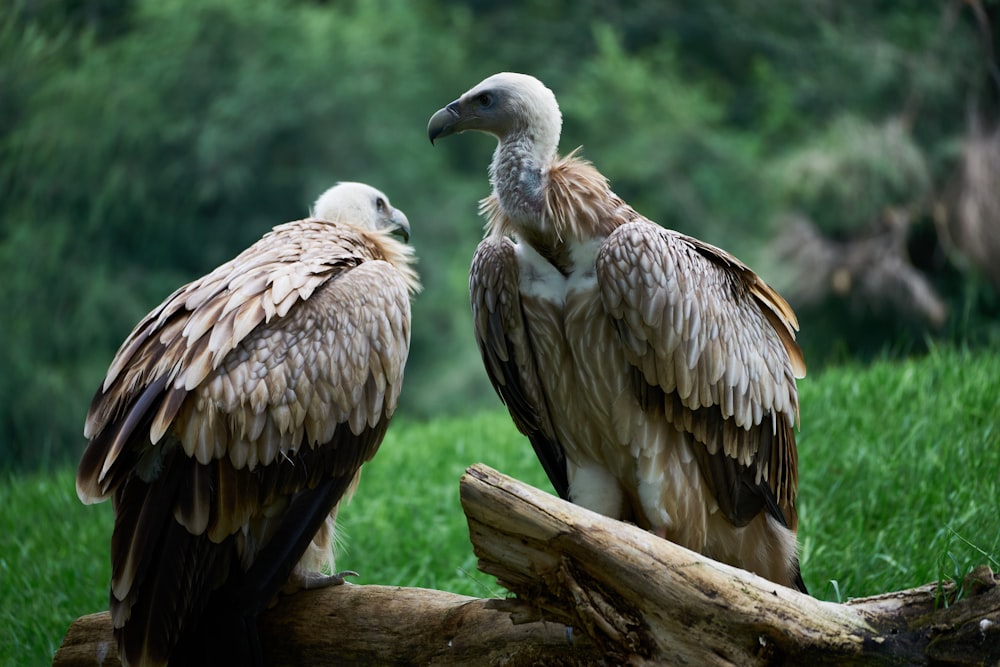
313	580
338	579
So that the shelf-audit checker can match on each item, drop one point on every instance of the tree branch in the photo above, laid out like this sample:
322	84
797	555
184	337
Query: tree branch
871	271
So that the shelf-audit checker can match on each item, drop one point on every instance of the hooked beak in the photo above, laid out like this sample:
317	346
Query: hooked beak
443	122
400	226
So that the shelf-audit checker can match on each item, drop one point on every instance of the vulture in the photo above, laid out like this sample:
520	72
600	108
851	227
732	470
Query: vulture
654	374
236	417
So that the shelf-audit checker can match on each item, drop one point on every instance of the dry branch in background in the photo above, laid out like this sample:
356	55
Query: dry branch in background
970	220
871	271
627	595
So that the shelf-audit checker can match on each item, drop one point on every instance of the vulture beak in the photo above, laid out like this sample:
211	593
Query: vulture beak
444	122
400	226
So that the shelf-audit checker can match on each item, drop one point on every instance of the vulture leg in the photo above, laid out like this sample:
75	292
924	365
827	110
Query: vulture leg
308	573
307	581
275	563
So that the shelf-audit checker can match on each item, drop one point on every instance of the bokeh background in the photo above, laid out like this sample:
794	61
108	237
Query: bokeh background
847	151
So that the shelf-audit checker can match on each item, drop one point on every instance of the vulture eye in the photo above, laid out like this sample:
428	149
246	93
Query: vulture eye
485	100
380	205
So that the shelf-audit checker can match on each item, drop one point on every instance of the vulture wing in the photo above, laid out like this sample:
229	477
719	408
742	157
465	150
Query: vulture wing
713	347
233	420
654	371
505	344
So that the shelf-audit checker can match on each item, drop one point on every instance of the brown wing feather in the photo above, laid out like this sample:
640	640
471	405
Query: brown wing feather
504	343
702	328
773	305
175	340
205	439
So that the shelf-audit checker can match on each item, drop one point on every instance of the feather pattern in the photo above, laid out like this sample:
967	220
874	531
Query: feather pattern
505	345
653	373
271	378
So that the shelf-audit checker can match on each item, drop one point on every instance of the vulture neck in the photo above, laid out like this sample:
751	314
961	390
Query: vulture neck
519	175
551	203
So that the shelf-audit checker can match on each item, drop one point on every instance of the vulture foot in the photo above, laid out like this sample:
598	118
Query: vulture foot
313	580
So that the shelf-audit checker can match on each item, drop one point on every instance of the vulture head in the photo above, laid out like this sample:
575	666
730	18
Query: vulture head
509	106
362	205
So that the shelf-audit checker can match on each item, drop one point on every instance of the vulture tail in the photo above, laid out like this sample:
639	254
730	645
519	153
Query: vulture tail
253	590
797	579
222	638
777	513
166	597
274	564
227	632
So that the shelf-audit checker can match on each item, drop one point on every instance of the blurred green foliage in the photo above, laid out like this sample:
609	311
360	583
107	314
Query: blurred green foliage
144	142
846	176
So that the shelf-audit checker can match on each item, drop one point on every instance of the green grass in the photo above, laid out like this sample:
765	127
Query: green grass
899	472
899	476
53	564
405	525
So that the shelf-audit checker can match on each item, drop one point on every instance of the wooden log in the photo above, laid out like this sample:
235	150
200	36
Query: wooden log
642	599
592	590
374	625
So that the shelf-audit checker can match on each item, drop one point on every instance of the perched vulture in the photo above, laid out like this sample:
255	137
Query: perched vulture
235	418
653	373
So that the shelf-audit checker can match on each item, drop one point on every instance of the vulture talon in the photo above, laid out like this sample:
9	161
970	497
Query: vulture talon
338	579
315	580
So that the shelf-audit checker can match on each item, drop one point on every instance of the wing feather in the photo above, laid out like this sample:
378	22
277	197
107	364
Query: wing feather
719	345
230	395
774	307
505	346
178	338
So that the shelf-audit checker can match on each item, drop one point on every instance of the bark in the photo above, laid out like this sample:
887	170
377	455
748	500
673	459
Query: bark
373	625
591	590
645	600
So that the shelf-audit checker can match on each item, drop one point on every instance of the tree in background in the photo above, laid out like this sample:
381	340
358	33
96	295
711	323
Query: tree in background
144	142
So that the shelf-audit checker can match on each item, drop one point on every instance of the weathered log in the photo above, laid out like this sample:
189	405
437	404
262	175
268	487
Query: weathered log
643	599
373	625
628	596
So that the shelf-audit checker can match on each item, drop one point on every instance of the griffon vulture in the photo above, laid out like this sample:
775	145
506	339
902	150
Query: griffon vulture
235	418
654	374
